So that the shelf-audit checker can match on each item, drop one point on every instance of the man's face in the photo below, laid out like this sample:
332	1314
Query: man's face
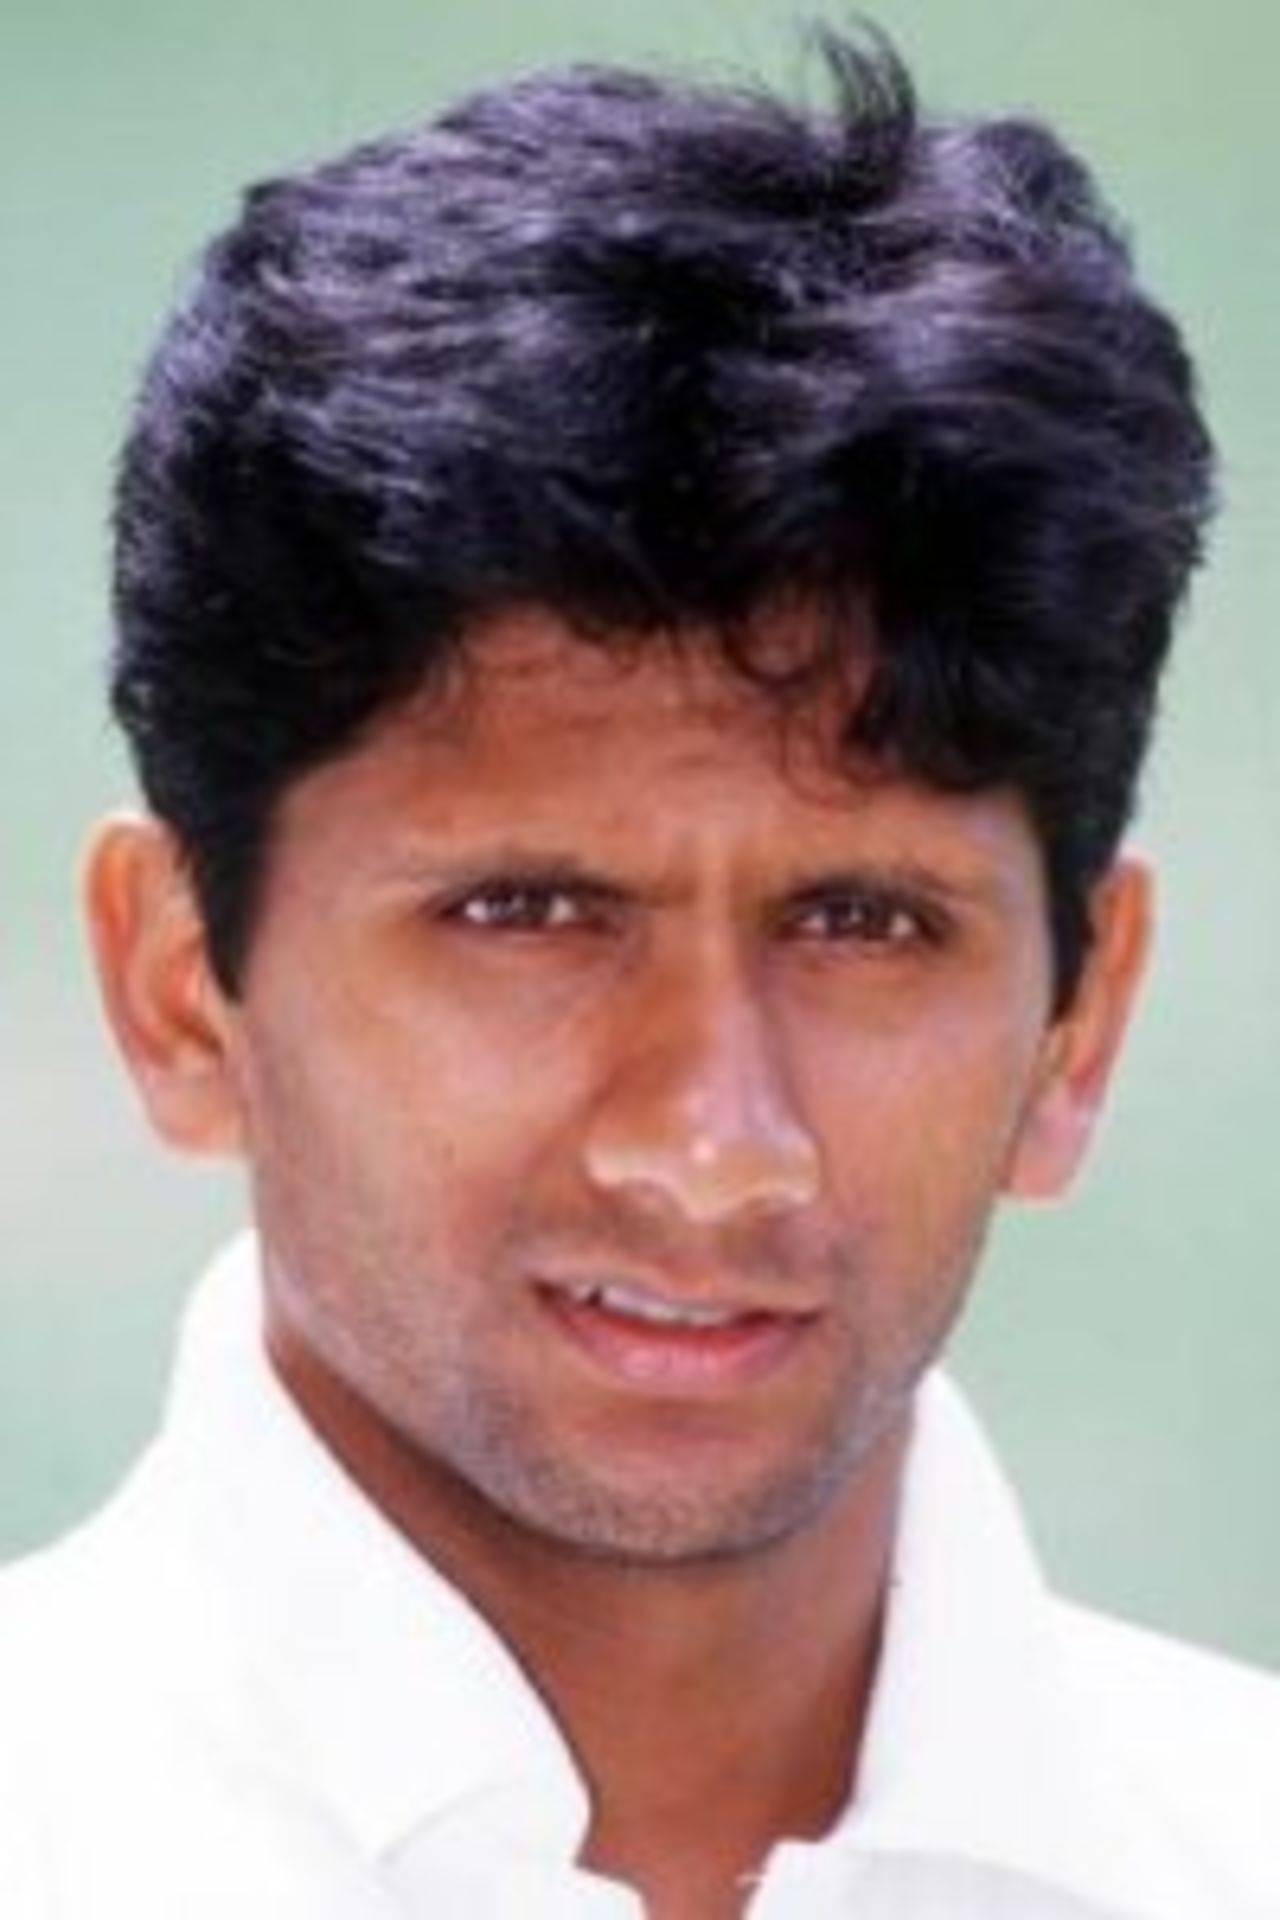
626	1091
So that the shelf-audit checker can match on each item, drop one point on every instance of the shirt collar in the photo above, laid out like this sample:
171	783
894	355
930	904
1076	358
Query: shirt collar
382	1686
978	1747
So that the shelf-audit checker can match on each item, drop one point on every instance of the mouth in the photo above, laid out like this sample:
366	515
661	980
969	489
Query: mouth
642	1337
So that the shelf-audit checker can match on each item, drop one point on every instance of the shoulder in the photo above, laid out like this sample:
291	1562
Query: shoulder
24	1881
74	1638
1192	1739
135	1774
1186	1705
101	1718
38	1662
81	1609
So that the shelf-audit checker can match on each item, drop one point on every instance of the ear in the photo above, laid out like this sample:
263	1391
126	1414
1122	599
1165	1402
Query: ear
169	1017
1082	1046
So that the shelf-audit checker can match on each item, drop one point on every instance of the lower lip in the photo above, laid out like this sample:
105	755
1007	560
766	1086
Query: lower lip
675	1358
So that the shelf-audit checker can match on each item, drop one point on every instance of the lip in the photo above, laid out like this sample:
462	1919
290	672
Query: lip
673	1357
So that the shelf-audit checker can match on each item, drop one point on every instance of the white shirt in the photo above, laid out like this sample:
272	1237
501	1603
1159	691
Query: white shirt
238	1694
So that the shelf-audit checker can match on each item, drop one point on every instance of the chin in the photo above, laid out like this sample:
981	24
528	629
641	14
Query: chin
677	1518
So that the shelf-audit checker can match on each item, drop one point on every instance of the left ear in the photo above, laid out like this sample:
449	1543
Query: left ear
1082	1046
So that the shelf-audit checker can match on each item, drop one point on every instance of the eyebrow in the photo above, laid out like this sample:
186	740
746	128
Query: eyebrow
483	863
445	873
907	877
551	867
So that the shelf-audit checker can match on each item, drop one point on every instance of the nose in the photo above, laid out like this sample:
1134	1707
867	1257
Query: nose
699	1114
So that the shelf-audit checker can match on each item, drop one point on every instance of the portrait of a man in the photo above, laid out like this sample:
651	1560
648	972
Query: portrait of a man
639	607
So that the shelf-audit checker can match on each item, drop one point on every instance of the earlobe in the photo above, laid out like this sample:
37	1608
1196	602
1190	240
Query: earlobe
162	1003
1083	1045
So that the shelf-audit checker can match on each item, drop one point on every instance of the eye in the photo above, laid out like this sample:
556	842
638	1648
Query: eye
526	906
866	916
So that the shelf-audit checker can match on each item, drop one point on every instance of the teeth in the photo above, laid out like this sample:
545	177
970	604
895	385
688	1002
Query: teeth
644	1306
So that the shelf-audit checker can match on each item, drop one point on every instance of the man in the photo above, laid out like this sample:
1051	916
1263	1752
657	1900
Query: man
639	614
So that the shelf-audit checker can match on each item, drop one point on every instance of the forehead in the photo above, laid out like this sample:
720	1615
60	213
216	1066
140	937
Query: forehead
655	755
527	681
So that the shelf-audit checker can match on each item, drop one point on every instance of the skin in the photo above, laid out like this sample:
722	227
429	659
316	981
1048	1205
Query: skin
584	971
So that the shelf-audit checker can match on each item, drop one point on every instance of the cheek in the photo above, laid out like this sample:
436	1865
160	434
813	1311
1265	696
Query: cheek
398	1118
924	1120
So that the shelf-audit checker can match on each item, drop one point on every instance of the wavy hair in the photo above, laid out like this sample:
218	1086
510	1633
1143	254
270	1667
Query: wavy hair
657	355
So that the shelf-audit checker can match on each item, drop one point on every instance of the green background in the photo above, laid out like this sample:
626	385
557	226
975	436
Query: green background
1124	1349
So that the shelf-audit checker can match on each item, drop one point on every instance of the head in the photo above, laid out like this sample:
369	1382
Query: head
657	357
835	462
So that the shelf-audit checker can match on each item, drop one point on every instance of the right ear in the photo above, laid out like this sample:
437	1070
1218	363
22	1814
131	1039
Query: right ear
169	1016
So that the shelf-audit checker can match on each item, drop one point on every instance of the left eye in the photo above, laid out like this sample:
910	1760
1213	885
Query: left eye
874	919
520	907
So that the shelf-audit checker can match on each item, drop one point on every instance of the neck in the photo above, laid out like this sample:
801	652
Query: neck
714	1708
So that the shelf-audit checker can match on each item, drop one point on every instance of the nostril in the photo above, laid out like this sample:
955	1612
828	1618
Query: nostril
708	1176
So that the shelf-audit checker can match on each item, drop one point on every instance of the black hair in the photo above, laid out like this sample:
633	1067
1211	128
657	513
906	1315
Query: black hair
655	355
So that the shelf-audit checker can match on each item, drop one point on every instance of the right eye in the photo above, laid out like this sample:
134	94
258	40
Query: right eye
525	906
